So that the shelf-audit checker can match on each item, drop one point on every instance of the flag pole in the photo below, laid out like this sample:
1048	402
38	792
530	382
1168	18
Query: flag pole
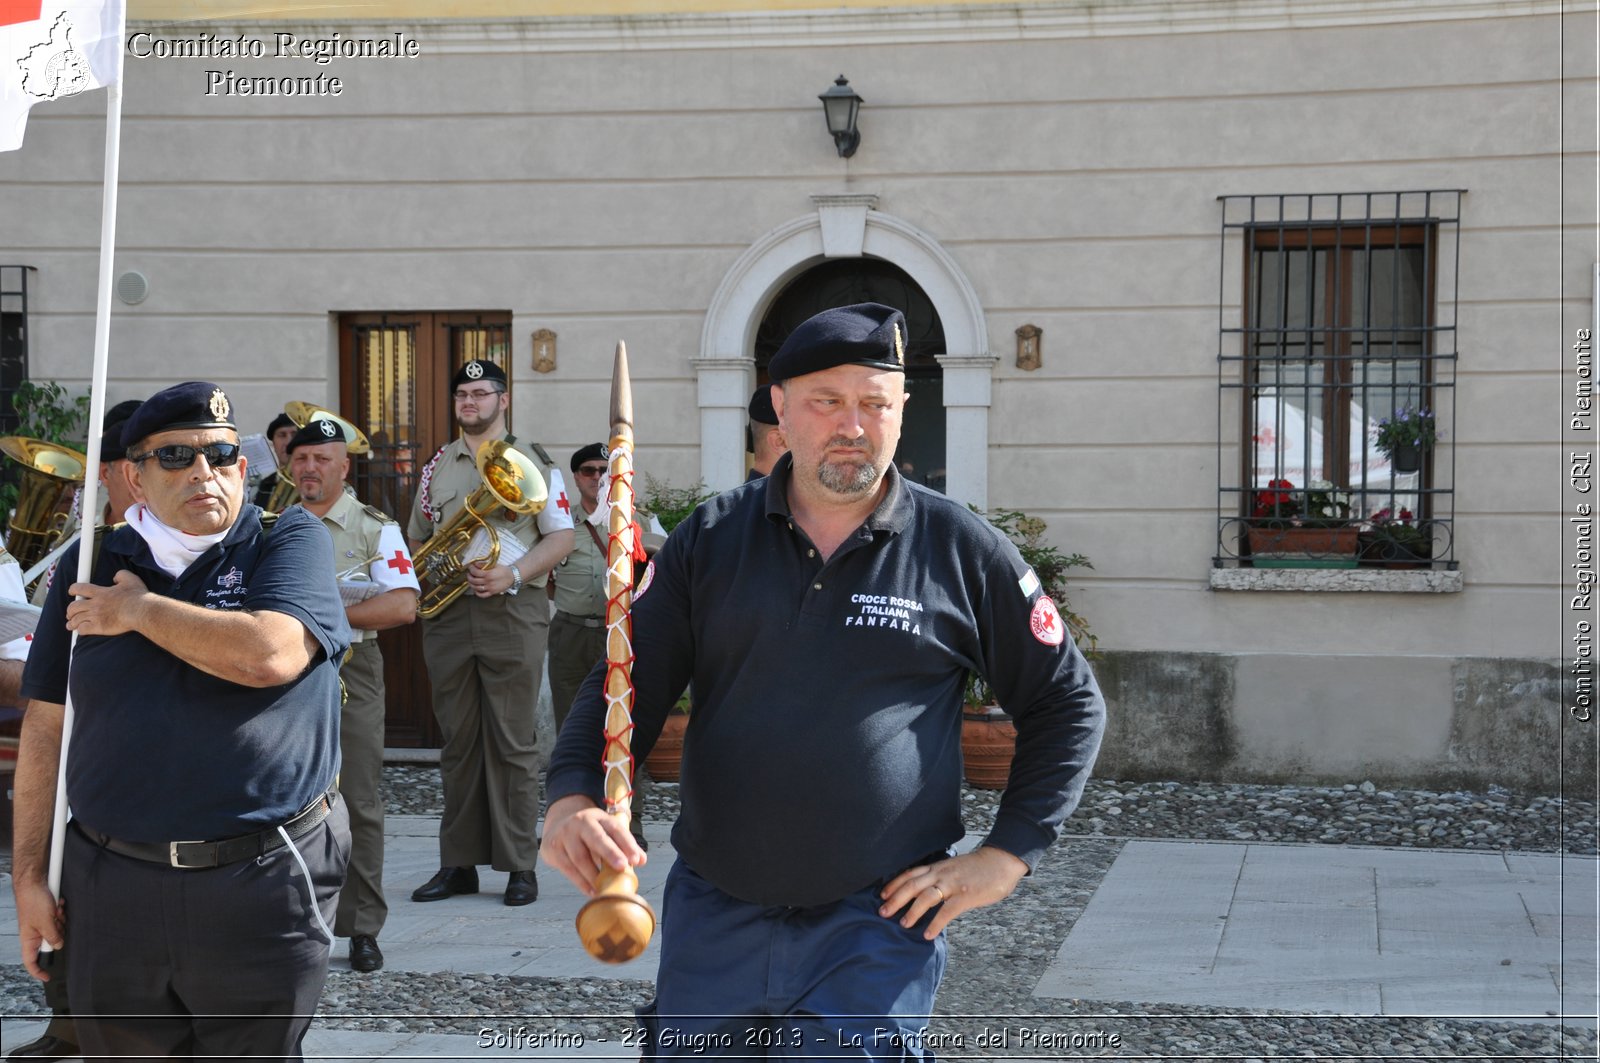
97	411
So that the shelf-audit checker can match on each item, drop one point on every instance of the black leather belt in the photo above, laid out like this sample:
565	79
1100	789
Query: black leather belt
583	621
196	855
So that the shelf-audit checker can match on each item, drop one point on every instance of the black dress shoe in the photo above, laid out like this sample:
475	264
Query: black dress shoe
364	953
45	1048
523	888
447	883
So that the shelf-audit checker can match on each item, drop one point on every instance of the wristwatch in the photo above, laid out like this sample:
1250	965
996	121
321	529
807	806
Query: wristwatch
516	580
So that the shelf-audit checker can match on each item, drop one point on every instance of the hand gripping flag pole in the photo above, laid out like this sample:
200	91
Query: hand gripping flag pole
616	924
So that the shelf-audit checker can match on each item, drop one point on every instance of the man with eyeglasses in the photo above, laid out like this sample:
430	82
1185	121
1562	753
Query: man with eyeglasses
485	654
206	842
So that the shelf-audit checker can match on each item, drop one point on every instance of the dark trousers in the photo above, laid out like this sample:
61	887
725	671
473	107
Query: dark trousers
746	981
226	961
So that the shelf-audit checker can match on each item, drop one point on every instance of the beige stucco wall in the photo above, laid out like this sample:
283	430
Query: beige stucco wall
601	177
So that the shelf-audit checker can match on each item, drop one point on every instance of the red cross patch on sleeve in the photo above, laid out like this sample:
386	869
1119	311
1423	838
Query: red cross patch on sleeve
1046	622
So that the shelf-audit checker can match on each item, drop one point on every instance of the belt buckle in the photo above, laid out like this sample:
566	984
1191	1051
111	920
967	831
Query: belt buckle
172	855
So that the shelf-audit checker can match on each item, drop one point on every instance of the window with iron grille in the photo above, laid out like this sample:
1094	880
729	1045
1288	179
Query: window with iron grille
13	339
1336	397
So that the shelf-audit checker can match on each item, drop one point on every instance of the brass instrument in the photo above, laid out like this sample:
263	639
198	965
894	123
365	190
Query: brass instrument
510	481
284	492
47	470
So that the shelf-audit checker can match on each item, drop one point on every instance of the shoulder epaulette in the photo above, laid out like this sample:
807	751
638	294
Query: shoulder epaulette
378	515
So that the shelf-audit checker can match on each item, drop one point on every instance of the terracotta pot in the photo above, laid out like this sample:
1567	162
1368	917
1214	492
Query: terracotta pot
666	756
988	742
1294	547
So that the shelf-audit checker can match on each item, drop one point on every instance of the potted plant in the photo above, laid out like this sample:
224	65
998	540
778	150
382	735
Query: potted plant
988	737
1392	541
1406	437
665	759
1309	528
988	734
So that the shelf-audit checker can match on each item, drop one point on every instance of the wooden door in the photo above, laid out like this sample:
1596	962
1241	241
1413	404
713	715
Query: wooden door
395	371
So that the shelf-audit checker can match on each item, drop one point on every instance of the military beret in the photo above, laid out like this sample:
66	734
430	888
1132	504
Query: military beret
592	452
112	448
283	420
761	410
477	370
868	334
320	430
194	404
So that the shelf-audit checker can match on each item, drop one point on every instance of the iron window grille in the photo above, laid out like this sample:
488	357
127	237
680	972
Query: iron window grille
1346	318
13	340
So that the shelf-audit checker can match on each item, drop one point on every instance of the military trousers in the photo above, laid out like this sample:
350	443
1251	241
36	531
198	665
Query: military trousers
485	657
362	908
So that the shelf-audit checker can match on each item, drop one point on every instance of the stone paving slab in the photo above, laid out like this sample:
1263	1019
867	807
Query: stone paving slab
1346	930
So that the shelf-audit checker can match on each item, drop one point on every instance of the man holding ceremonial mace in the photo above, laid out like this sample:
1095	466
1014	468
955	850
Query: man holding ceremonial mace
814	880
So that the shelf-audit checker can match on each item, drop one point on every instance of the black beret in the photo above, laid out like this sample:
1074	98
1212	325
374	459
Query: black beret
112	448
194	404
320	430
283	420
865	334
592	452
761	410
476	370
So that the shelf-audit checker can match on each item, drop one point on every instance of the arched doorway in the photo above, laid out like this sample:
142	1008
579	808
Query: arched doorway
844	227
840	282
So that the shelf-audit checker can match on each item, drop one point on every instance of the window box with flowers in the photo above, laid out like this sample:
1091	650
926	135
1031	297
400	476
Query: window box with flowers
1406	438
1302	528
1391	541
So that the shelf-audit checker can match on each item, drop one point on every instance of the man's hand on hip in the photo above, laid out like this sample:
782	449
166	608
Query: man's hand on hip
977	879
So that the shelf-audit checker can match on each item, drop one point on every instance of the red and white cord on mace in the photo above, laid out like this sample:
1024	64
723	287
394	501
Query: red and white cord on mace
616	924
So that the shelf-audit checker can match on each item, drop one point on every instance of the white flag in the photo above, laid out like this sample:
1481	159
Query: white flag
51	49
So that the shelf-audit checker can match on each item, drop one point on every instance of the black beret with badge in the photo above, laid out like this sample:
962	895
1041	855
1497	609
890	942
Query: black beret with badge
869	334
112	447
592	452
478	370
193	404
318	431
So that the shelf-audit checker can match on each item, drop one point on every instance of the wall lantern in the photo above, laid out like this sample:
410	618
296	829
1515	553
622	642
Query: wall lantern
840	105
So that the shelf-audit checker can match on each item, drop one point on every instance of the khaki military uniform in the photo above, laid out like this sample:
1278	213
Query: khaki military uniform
485	657
578	629
364	551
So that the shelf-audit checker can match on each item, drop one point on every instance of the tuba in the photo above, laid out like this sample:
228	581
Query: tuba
284	492
510	481
47	469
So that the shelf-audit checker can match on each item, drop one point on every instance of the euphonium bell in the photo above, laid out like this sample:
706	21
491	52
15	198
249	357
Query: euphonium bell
47	470
284	492
510	481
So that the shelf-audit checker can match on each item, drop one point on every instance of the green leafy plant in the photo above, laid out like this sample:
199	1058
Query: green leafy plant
1051	564
46	410
1410	426
1395	538
671	505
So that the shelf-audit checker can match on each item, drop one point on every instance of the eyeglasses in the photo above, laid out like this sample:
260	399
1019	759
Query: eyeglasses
476	396
591	470
176	456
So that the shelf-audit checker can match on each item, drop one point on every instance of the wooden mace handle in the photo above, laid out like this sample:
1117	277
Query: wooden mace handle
616	924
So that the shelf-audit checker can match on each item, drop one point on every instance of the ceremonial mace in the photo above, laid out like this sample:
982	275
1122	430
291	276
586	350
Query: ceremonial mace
616	924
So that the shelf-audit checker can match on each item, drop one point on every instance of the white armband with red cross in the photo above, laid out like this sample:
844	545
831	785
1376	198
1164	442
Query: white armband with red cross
392	569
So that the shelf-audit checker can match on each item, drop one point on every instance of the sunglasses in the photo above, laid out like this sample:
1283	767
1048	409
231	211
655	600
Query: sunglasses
176	456
592	470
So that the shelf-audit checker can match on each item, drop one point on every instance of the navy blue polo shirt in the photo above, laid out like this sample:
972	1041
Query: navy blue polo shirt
823	752
160	750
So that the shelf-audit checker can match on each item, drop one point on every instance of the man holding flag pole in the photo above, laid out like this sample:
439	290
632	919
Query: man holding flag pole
146	602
